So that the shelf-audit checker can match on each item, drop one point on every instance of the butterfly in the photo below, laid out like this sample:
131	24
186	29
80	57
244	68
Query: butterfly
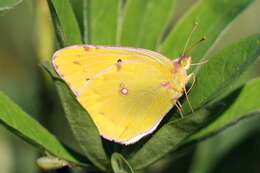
126	91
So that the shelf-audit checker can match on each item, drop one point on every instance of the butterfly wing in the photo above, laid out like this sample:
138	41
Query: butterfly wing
121	88
127	104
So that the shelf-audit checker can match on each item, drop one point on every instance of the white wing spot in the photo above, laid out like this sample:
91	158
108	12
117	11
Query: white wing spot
124	91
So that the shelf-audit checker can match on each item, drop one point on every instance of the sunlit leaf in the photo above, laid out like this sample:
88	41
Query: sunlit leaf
144	22
21	124
67	27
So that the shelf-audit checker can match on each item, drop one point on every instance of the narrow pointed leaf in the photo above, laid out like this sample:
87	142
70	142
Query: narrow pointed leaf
21	124
119	164
67	27
218	74
213	17
103	16
82	126
144	22
78	7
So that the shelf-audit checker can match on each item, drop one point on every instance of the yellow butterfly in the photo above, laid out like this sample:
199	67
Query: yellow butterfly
126	91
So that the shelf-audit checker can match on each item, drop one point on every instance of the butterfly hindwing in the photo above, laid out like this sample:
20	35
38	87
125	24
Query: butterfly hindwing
124	105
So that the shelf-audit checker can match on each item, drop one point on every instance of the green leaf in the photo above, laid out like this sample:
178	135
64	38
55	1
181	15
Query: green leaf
231	128
9	4
67	27
217	75
119	164
167	138
78	7
246	103
82	126
213	17
212	150
103	16
21	124
144	22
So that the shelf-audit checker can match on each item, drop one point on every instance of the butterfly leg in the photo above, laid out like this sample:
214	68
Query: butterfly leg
186	92
180	109
192	75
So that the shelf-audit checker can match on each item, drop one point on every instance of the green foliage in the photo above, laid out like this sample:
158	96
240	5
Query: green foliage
246	104
242	117
143	23
102	19
83	127
119	164
21	124
213	17
66	24
8	4
88	140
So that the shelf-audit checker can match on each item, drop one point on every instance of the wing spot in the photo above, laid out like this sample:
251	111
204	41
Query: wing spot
76	62
87	79
118	64
124	91
165	84
86	48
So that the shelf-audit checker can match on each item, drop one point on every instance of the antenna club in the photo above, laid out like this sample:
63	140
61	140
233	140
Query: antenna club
203	38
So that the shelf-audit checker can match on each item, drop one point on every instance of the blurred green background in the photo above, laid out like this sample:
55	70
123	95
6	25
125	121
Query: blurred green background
25	37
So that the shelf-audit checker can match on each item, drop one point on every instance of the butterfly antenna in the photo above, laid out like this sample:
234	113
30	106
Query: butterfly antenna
189	38
188	100
179	107
196	43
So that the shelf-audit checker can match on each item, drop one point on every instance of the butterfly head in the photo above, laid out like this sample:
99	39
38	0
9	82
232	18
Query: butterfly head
185	62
